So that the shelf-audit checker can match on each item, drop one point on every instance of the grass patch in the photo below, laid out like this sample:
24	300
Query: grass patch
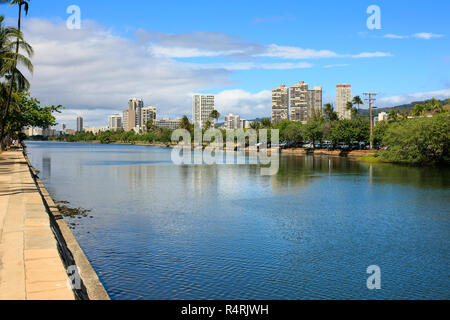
372	158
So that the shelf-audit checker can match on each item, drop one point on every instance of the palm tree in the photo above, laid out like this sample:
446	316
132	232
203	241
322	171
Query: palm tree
418	110
10	58
328	110
215	115
358	101
185	123
435	105
207	125
353	110
20	79
19	41
392	116
255	125
266	123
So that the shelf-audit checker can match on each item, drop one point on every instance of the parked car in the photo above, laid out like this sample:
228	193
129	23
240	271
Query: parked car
291	144
364	145
343	146
308	145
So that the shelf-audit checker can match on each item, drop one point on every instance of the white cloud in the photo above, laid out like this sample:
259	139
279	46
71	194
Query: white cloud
427	35
215	44
376	54
254	65
93	69
394	36
285	52
184	52
421	35
336	65
247	105
408	98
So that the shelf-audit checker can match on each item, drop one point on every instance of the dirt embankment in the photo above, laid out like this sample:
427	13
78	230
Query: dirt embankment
337	153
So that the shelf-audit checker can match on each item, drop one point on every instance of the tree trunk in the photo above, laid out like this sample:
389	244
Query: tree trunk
11	86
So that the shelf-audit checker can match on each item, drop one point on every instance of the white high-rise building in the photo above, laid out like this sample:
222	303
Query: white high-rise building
115	122
125	120
280	104
147	114
232	122
202	106
343	96
304	102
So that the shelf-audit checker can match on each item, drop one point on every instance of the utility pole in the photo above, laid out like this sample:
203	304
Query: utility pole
370	100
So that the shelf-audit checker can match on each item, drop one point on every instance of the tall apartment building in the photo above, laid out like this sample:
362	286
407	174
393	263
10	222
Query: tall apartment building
232	122
343	95
125	120
80	124
280	104
304	102
115	122
132	118
147	114
202	106
135	106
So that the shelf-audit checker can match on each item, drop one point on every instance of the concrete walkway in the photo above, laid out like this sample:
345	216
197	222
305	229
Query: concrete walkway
30	265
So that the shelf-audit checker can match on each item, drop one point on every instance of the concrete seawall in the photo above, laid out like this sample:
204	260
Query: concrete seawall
38	252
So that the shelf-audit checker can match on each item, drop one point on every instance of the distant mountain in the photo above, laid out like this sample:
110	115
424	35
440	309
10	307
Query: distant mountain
401	108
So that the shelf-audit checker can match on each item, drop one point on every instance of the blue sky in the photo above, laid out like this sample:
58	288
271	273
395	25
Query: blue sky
238	50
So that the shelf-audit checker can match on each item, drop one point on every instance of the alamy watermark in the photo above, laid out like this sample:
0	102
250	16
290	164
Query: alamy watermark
374	281
209	148
73	22
74	281
374	20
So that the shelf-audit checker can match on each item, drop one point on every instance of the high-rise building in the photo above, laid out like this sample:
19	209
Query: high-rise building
280	104
125	120
202	106
63	127
115	122
304	102
135	106
343	96
315	101
147	114
232	122
245	124
80	124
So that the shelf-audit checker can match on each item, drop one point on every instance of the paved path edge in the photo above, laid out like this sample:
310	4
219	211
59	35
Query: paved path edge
70	251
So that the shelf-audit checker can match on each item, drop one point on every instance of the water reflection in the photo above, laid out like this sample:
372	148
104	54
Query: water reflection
160	231
46	166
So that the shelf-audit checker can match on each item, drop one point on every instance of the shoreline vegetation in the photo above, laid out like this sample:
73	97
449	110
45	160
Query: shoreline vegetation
417	140
291	151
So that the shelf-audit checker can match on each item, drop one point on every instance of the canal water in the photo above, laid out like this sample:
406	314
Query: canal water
161	231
